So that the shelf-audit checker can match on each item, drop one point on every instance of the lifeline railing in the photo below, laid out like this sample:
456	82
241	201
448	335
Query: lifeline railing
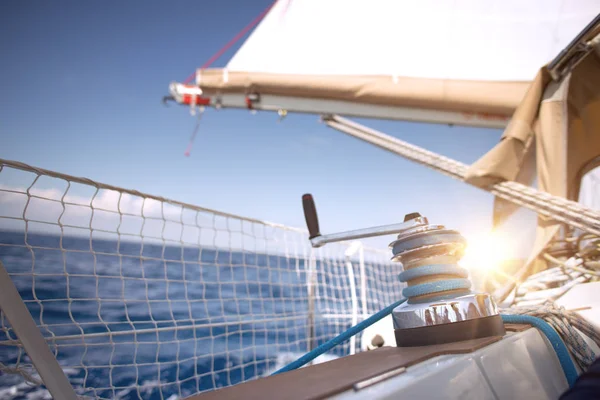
139	296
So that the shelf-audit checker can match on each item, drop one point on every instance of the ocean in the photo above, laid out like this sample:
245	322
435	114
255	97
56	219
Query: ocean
203	318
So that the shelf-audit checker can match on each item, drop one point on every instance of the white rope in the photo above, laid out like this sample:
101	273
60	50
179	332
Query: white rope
20	371
564	322
545	204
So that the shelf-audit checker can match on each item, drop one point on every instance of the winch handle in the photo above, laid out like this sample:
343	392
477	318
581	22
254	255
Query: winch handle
310	215
411	221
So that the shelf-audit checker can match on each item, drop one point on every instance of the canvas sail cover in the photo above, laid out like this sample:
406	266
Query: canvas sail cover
554	137
467	56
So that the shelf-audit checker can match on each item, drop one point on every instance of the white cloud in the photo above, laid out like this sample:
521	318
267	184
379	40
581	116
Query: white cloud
105	210
108	213
103	200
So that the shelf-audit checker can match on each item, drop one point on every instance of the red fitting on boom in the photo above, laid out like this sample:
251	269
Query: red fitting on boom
190	95
188	99
251	99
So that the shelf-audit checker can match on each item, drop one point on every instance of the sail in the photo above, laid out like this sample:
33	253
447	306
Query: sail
470	58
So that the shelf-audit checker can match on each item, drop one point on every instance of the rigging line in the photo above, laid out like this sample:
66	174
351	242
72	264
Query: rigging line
545	204
188	150
233	41
342	337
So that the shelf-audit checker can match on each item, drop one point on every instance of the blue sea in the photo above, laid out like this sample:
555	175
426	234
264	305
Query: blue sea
256	304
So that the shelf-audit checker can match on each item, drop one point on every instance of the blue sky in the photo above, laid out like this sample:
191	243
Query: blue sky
81	89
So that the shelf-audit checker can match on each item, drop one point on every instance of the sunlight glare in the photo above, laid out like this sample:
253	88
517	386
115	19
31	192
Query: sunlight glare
487	252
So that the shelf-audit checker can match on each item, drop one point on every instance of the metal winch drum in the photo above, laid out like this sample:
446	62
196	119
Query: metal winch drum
440	306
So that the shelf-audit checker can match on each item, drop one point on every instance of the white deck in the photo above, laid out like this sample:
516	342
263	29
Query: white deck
522	362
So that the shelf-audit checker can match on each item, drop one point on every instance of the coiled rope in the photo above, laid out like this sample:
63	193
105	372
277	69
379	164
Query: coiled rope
565	323
430	263
557	343
458	281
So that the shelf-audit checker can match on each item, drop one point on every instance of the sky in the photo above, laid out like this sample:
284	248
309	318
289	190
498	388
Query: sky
82	84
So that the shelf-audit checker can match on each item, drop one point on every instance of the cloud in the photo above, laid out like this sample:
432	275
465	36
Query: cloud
103	210
113	215
101	200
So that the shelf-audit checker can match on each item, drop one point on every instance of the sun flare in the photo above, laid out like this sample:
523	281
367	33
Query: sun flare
487	252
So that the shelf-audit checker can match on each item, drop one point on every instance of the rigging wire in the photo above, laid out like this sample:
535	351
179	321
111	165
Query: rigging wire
218	54
233	41
188	150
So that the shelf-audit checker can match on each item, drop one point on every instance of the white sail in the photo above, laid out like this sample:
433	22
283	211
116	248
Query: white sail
470	40
465	61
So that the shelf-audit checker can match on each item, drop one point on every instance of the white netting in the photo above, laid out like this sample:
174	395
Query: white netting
143	297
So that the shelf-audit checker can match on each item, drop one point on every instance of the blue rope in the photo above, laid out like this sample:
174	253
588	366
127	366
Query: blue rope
403	245
557	343
436	287
311	355
460	282
433	269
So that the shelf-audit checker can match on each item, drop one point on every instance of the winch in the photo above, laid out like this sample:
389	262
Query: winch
440	306
451	342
